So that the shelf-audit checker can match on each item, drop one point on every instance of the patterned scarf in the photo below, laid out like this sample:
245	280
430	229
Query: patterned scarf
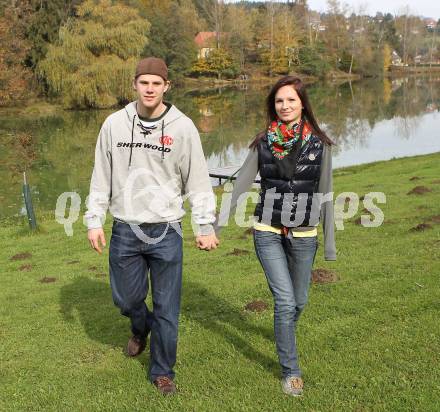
282	138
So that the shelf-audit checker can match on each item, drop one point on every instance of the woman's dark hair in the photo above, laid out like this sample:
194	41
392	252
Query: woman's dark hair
307	112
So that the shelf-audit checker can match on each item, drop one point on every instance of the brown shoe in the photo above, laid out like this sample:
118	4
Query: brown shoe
165	385
136	345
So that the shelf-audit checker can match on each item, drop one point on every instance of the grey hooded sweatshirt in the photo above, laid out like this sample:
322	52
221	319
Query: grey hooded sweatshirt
143	175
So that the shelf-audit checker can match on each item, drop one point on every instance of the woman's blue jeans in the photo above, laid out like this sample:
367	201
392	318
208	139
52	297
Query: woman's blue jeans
287	264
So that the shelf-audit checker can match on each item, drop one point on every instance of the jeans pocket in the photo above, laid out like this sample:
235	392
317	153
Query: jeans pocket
268	245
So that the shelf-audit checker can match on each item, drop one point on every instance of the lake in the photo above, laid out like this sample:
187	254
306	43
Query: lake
369	120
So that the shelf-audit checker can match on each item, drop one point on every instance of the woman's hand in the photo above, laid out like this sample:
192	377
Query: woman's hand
207	242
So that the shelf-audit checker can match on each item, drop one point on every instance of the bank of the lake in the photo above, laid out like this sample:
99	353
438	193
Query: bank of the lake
367	342
38	105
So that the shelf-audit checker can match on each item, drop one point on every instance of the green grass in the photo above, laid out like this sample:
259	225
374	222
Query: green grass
367	342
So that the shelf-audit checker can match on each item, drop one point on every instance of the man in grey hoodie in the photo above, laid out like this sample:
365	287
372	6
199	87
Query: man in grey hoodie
148	160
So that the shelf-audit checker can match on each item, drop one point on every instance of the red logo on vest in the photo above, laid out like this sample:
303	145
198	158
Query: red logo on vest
166	140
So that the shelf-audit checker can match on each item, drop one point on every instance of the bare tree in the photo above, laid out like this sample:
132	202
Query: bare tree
215	12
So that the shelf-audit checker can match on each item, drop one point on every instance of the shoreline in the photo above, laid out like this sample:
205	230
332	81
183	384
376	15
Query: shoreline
42	106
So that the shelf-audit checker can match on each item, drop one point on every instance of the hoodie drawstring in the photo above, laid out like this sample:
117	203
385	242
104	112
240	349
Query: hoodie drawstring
162	140
131	146
145	131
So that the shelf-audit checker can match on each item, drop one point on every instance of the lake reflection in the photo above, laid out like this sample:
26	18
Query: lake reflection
369	120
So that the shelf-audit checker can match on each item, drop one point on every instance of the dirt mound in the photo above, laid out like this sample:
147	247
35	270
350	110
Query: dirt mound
323	276
256	306
435	219
421	227
247	233
238	252
47	280
21	256
419	190
390	221
25	268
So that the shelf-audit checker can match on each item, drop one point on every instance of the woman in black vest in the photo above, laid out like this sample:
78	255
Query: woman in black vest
294	160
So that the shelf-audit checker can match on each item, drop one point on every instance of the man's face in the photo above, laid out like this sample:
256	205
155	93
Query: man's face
150	89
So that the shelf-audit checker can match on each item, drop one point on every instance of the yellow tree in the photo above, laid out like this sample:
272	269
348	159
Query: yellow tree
387	53
278	40
238	25
93	62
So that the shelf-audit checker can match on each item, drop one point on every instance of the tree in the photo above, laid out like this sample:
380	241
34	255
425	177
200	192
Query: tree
214	11
239	28
14	76
311	60
93	62
44	24
409	29
387	57
336	38
173	25
277	39
218	63
303	23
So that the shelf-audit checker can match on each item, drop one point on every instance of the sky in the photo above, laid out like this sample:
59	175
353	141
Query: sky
426	8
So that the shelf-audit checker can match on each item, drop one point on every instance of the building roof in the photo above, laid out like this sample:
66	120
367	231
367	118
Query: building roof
204	37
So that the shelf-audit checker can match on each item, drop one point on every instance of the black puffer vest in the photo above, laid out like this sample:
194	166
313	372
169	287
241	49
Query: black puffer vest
296	194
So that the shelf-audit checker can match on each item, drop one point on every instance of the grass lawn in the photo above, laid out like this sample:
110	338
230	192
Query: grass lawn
369	341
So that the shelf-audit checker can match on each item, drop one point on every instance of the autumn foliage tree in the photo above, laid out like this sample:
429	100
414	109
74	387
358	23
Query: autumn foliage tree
218	63
279	41
14	76
43	24
93	62
173	27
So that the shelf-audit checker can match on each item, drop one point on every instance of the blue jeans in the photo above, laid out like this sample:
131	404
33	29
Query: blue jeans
287	264
131	259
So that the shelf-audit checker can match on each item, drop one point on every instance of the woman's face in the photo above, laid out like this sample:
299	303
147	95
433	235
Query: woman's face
288	105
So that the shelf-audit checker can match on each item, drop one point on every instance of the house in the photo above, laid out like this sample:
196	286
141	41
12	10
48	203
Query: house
430	23
205	41
316	24
395	59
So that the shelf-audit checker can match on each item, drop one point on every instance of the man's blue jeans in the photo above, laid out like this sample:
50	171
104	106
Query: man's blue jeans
131	259
287	263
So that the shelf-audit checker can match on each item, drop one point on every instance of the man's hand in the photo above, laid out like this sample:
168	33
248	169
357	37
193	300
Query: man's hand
207	242
96	236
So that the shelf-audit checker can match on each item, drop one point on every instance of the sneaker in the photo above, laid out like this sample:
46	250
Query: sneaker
136	345
165	385
292	385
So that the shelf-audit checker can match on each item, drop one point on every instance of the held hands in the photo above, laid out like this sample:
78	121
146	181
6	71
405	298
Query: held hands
97	240
96	236
207	242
